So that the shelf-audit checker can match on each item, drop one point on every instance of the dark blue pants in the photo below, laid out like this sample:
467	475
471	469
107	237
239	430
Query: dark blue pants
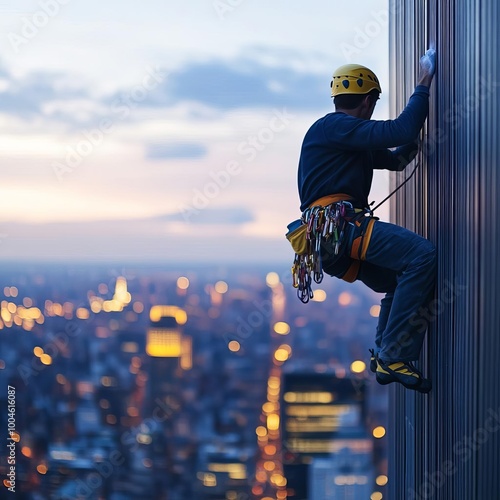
402	265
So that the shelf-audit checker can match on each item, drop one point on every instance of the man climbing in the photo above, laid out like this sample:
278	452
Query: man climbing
338	156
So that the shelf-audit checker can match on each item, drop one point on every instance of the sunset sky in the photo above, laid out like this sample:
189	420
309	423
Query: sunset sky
165	130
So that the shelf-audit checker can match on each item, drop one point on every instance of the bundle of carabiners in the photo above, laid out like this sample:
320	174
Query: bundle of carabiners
323	223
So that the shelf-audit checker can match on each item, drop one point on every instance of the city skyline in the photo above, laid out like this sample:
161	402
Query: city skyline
133	383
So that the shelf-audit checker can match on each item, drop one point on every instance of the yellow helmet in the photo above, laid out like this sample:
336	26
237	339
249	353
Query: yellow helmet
354	79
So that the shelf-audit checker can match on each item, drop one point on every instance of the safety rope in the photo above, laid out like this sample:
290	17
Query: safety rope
405	181
395	191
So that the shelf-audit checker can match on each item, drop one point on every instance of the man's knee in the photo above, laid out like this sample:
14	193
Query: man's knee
428	255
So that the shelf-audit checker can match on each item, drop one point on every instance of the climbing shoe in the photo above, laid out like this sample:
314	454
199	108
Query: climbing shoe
373	361
404	373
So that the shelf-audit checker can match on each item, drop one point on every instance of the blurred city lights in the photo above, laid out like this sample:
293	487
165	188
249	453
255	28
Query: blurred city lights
234	346
345	298
273	382
42	469
82	313
138	307
319	296
270	449
221	287
129	341
358	366
182	283
381	480
281	354
272	279
269	466
46	359
273	422
379	432
282	328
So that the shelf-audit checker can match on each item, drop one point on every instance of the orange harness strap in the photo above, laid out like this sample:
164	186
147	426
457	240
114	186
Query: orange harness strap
358	252
331	198
359	245
367	238
352	273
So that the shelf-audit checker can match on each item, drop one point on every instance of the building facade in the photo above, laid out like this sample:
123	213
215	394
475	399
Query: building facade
445	445
323	416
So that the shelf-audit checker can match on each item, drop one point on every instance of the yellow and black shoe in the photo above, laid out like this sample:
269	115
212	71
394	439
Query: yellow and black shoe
404	373
373	361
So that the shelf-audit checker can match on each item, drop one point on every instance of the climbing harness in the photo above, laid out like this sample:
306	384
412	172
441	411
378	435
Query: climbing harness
318	224
326	221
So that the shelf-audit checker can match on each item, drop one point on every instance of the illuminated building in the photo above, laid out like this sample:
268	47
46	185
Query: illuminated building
169	356
346	475
223	468
321	415
165	338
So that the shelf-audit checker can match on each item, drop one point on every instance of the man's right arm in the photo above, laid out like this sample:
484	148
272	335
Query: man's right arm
348	132
351	133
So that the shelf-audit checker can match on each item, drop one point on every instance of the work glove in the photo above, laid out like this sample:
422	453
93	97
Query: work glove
428	62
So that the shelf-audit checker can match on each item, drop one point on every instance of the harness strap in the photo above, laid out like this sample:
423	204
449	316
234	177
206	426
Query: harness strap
319	221
331	198
352	272
366	238
359	249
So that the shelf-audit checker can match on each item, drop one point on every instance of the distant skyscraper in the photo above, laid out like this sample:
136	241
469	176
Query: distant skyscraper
170	354
223	468
165	338
321	415
346	475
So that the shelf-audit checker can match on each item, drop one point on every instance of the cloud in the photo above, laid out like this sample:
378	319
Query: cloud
247	81
181	150
241	84
212	216
26	98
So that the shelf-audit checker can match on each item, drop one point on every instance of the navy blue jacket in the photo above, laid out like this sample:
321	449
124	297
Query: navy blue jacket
340	151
